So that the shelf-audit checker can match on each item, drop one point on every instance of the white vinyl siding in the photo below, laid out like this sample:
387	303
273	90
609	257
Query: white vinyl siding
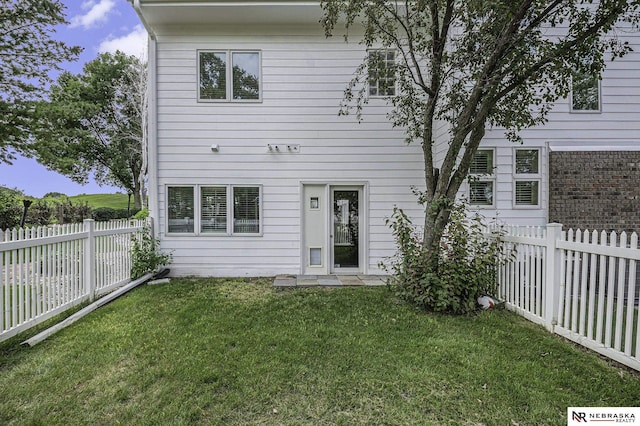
303	78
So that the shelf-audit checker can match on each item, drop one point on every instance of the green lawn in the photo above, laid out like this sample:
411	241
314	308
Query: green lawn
217	351
115	201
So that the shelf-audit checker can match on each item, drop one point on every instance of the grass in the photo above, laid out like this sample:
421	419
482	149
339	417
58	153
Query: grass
115	201
216	351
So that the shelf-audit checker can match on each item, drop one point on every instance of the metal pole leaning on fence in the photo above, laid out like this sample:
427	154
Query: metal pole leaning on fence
552	276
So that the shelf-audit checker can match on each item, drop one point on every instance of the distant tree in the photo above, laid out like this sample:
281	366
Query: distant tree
54	195
95	124
27	55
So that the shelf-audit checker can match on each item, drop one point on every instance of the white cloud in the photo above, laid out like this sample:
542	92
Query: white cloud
133	43
97	12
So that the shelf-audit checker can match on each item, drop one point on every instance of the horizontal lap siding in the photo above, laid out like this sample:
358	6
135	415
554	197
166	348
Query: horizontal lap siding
303	80
618	122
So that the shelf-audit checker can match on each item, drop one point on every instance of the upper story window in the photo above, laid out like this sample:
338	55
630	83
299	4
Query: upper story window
482	178
382	78
229	75
527	178
585	92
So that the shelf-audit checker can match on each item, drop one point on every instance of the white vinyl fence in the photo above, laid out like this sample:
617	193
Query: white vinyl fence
47	270
580	285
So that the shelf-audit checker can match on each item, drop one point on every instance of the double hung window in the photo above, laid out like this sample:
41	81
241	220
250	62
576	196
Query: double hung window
527	178
229	75
482	179
219	210
382	72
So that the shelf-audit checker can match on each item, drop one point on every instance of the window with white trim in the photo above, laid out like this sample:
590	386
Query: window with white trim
382	72
527	177
585	92
482	179
213	209
221	210
229	75
180	209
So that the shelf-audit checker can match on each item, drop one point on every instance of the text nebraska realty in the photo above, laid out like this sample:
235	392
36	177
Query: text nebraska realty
621	417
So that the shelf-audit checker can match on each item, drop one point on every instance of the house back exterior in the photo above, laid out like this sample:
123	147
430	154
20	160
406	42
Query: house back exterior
253	172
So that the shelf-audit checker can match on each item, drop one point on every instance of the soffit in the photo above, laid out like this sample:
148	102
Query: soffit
160	13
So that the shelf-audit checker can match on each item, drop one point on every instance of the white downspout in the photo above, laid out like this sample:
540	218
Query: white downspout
152	122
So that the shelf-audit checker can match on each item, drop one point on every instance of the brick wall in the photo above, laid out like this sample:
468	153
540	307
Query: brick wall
595	190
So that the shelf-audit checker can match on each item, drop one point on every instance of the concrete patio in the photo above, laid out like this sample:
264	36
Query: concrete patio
292	281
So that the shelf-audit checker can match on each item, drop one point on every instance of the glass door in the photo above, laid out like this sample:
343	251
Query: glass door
346	230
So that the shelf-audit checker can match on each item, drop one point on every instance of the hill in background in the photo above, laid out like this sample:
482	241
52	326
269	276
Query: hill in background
116	201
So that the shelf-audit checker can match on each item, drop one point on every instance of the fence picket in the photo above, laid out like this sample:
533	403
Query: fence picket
610	289
583	288
619	297
631	292
42	269
592	287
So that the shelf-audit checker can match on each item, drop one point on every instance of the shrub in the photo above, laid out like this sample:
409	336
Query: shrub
68	212
40	213
142	214
124	213
466	265
103	214
10	209
145	254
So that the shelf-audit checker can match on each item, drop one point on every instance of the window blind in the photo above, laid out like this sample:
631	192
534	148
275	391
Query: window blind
527	193
481	193
246	210
527	161
214	209
482	162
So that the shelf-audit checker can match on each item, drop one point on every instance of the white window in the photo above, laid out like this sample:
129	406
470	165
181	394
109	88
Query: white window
214	214
585	92
382	68
232	76
213	209
180	209
246	210
482	179
527	178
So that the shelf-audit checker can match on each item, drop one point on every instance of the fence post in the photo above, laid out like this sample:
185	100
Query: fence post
89	260
552	276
